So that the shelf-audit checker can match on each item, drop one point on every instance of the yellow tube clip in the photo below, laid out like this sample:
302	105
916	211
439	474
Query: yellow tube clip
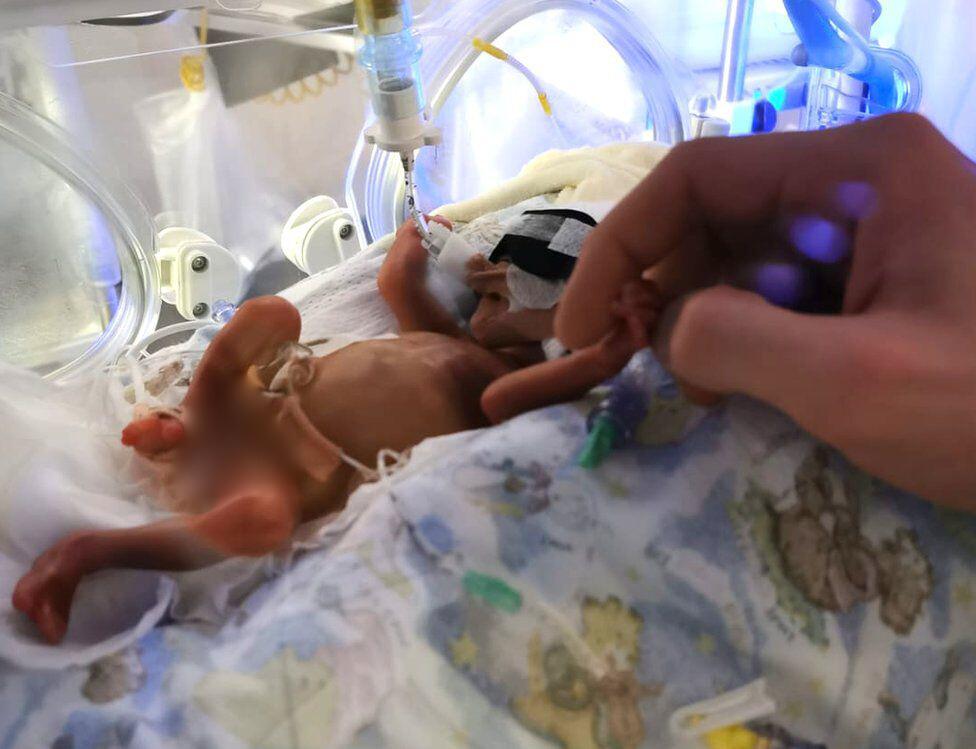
544	101
488	48
735	737
193	68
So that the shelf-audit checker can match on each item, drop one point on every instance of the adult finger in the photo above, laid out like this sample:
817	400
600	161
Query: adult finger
707	184
723	340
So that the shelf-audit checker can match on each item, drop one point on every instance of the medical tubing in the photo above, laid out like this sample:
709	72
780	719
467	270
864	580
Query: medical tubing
410	195
197	47
141	346
614	421
499	54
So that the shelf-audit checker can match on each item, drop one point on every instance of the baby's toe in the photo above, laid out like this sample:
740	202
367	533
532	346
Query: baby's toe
153	434
52	621
23	597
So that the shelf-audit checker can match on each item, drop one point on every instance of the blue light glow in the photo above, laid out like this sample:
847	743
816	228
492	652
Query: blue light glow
779	283
820	239
856	200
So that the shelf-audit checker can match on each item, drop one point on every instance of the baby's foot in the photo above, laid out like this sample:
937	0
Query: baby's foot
154	434
45	593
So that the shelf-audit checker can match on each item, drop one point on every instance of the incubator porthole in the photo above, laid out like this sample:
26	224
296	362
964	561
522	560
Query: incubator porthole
78	283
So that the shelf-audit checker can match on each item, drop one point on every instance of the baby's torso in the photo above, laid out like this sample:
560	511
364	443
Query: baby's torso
370	395
394	393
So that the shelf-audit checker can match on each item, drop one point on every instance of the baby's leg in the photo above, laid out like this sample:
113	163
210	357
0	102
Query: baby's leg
249	525
402	283
253	336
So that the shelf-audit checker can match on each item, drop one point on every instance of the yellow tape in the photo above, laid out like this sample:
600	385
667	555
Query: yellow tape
546	106
490	49
735	737
193	67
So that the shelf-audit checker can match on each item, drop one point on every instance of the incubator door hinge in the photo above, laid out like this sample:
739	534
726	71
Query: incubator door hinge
320	235
196	274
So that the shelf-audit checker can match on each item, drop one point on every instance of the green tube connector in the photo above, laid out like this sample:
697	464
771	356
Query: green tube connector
495	592
599	443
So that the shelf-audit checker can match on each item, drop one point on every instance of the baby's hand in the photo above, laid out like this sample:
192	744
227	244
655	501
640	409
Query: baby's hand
486	278
636	311
639	305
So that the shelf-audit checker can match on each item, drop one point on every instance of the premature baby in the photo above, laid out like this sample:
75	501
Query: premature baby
267	435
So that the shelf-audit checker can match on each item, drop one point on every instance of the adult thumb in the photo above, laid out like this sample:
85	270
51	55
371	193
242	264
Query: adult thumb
725	340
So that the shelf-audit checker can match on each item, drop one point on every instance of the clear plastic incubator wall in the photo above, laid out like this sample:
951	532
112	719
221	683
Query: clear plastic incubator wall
150	160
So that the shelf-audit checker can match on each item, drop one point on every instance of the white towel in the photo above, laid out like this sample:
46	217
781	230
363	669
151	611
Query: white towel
592	175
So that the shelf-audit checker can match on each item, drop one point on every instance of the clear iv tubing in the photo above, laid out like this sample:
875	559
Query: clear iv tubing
842	24
617	417
490	49
197	47
141	347
223	311
410	186
410	193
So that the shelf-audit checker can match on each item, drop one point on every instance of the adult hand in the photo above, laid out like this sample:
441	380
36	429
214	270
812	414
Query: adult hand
891	380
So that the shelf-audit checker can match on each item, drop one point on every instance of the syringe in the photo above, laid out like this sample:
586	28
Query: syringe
391	57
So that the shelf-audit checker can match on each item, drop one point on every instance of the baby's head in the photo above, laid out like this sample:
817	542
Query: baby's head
495	324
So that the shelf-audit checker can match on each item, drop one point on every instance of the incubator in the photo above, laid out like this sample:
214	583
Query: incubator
152	154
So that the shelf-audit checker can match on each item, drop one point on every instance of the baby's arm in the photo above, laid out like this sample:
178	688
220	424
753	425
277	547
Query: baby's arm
252	525
572	377
403	284
561	380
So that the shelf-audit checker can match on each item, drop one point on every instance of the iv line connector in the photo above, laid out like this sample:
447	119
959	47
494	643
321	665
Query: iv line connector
410	196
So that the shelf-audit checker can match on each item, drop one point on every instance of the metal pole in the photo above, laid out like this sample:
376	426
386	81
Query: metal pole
735	50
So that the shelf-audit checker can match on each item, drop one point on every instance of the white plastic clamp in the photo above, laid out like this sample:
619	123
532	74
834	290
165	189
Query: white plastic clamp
405	136
195	272
320	235
691	723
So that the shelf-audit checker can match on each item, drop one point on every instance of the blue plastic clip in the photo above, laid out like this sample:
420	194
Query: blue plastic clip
830	42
